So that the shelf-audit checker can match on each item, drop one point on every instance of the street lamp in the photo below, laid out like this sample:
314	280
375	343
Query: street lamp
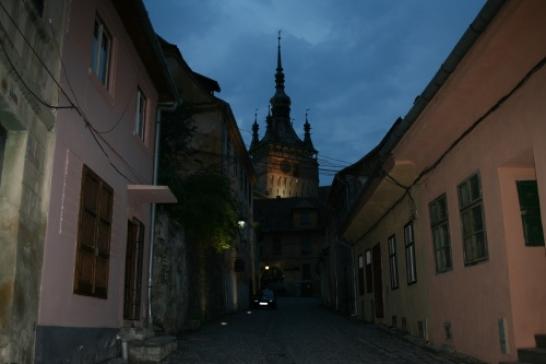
266	267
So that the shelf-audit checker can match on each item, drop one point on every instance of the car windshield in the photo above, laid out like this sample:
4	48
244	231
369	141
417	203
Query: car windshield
267	294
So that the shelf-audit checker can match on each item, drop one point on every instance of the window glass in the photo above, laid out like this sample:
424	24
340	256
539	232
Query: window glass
369	278
472	219
101	45
411	269
440	234
360	274
140	117
393	262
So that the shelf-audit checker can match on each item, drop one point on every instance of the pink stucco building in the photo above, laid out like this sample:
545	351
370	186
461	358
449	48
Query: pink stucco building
95	265
448	231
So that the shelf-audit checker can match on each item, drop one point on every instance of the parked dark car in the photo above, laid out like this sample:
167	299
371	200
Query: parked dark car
266	299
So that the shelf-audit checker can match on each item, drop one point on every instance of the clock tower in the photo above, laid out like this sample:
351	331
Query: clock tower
285	165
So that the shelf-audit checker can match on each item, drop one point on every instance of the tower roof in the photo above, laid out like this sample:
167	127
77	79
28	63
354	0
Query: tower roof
280	129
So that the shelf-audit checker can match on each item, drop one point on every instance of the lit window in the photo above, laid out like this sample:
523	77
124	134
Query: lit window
409	242
472	219
100	51
440	234
393	262
140	118
530	213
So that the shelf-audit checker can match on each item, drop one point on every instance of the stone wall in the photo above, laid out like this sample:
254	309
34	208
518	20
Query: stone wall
189	282
170	294
25	174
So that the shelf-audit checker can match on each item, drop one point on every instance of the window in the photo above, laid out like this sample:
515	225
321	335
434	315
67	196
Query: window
361	275
306	272
369	281
440	234
393	262
39	6
472	219
100	52
306	247
133	270
140	118
529	204
95	221
277	246
3	138
409	242
305	218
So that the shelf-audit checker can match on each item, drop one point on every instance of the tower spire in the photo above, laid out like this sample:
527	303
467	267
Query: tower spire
307	137
279	75
255	129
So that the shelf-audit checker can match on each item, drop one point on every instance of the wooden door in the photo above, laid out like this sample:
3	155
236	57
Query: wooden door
377	281
133	270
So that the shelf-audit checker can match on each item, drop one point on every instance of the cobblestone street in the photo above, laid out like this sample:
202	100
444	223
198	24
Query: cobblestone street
299	331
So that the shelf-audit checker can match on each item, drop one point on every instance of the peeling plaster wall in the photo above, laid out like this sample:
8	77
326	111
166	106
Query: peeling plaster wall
26	172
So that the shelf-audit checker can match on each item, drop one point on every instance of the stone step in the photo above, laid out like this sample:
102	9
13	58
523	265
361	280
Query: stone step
540	339
151	350
532	356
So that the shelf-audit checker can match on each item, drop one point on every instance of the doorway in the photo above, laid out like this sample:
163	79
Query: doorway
133	270
377	281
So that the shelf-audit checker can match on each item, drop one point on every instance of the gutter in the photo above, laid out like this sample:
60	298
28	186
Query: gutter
399	129
160	108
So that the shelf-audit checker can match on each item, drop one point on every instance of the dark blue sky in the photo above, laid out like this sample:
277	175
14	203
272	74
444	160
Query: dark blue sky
356	64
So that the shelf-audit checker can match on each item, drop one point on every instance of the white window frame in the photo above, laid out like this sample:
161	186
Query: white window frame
409	242
469	205
393	262
141	115
103	75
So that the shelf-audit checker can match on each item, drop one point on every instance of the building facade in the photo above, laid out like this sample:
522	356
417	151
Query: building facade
96	263
214	146
448	231
290	233
31	35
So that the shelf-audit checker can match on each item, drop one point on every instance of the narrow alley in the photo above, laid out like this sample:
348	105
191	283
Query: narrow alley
299	331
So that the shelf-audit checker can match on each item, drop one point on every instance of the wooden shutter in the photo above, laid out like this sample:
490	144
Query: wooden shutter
530	213
94	230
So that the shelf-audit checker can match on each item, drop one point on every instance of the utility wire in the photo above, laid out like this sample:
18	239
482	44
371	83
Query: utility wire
73	106
456	142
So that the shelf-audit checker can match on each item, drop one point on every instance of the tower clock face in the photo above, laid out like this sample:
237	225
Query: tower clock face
285	166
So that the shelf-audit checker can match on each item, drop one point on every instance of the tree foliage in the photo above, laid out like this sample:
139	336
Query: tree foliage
206	207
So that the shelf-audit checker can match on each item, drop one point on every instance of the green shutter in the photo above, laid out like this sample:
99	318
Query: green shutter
530	213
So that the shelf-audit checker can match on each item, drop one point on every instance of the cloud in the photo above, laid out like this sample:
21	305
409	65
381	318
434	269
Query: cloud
356	64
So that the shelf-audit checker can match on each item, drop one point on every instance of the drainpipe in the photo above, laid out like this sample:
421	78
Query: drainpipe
160	108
